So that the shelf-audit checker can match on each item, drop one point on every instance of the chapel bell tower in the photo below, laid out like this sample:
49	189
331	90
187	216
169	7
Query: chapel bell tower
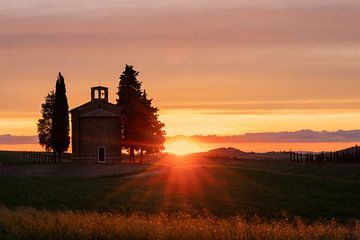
99	94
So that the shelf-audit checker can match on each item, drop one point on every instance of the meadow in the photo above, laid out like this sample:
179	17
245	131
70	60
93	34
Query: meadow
25	223
182	197
18	158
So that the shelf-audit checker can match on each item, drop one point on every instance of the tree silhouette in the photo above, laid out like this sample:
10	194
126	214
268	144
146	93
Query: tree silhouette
141	129
44	124
152	129
129	94
60	120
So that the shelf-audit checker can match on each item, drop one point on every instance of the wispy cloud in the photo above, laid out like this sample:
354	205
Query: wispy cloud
280	137
261	107
229	57
13	140
305	136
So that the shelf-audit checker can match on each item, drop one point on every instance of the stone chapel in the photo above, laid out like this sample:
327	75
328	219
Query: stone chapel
96	129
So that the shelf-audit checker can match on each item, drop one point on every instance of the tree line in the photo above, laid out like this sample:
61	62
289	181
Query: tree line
351	155
141	130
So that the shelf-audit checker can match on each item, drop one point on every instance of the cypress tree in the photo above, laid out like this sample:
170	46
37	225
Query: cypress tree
60	120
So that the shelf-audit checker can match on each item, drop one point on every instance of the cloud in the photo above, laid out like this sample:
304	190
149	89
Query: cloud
13	140
279	137
260	107
301	136
202	27
218	54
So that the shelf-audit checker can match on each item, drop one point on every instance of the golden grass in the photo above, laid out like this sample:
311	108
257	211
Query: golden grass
27	223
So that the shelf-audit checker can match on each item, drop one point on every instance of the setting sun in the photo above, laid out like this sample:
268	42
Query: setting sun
182	147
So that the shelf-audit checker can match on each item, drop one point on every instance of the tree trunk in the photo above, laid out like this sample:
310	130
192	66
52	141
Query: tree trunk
54	157
59	155
141	155
132	154
120	155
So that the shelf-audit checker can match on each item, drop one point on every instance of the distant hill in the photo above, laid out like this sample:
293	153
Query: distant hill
234	153
230	152
226	152
356	148
348	155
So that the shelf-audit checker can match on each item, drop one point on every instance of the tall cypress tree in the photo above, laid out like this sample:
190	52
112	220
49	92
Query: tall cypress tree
129	95
60	120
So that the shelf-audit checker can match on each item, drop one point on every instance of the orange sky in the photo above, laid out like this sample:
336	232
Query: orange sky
213	67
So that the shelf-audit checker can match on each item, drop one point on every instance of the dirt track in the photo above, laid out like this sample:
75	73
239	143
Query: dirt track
71	170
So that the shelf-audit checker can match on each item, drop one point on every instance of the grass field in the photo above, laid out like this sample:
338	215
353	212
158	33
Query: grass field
13	157
267	189
200	189
27	223
17	158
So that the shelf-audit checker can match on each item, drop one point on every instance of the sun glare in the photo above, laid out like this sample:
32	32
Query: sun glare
182	147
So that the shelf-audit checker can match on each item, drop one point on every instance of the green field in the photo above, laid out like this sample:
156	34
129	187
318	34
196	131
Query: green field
13	157
18	158
266	188
269	190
